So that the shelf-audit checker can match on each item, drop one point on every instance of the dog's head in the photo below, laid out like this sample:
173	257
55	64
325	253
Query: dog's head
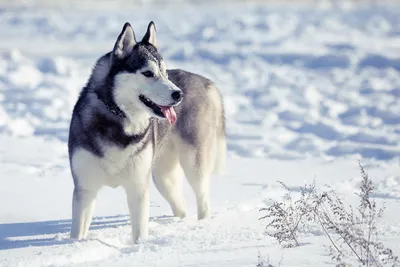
140	75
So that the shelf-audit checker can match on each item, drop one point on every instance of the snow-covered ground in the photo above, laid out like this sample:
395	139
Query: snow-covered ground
308	91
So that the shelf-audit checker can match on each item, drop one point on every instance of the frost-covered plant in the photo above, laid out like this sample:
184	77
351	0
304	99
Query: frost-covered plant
351	234
356	232
288	216
262	262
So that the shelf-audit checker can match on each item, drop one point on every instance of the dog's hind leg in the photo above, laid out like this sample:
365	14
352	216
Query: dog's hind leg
167	174
198	168
83	203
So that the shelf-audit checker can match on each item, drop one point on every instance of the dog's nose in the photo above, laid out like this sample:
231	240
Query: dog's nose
177	95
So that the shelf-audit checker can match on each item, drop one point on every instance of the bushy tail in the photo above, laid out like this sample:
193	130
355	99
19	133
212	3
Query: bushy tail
220	157
220	134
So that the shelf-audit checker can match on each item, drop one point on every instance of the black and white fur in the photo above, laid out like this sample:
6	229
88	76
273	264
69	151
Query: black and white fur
119	136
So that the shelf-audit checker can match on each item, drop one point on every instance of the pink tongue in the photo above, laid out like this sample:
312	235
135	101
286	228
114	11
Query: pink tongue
169	113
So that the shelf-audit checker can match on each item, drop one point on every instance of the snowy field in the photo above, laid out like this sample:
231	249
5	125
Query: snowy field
308	89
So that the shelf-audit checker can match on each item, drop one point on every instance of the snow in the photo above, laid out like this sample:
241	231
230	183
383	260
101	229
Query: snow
308	90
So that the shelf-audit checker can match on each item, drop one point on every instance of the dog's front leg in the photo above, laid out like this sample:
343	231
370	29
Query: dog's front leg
138	202
83	202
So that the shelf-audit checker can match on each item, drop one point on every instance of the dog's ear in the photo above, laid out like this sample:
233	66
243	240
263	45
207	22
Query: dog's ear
150	36
124	44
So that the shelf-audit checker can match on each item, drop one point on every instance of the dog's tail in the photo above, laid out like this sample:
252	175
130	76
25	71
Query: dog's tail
220	142
220	156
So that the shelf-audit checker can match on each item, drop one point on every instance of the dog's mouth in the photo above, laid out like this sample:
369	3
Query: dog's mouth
167	112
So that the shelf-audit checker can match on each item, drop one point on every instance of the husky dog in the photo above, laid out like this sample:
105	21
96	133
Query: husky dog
135	119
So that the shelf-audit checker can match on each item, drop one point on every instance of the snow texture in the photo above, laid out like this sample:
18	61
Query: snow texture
308	90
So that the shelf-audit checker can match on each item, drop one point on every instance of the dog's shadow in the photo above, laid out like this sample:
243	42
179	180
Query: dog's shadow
44	233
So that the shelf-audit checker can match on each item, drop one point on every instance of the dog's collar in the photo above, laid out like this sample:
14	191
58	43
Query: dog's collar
114	109
111	105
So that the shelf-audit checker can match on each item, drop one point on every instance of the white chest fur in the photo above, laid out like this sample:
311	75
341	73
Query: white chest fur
117	166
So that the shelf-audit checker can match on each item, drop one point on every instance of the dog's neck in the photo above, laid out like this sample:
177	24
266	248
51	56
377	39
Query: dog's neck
110	104
134	120
113	108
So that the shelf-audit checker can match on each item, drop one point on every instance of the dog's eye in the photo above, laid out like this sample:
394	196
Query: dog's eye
148	74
